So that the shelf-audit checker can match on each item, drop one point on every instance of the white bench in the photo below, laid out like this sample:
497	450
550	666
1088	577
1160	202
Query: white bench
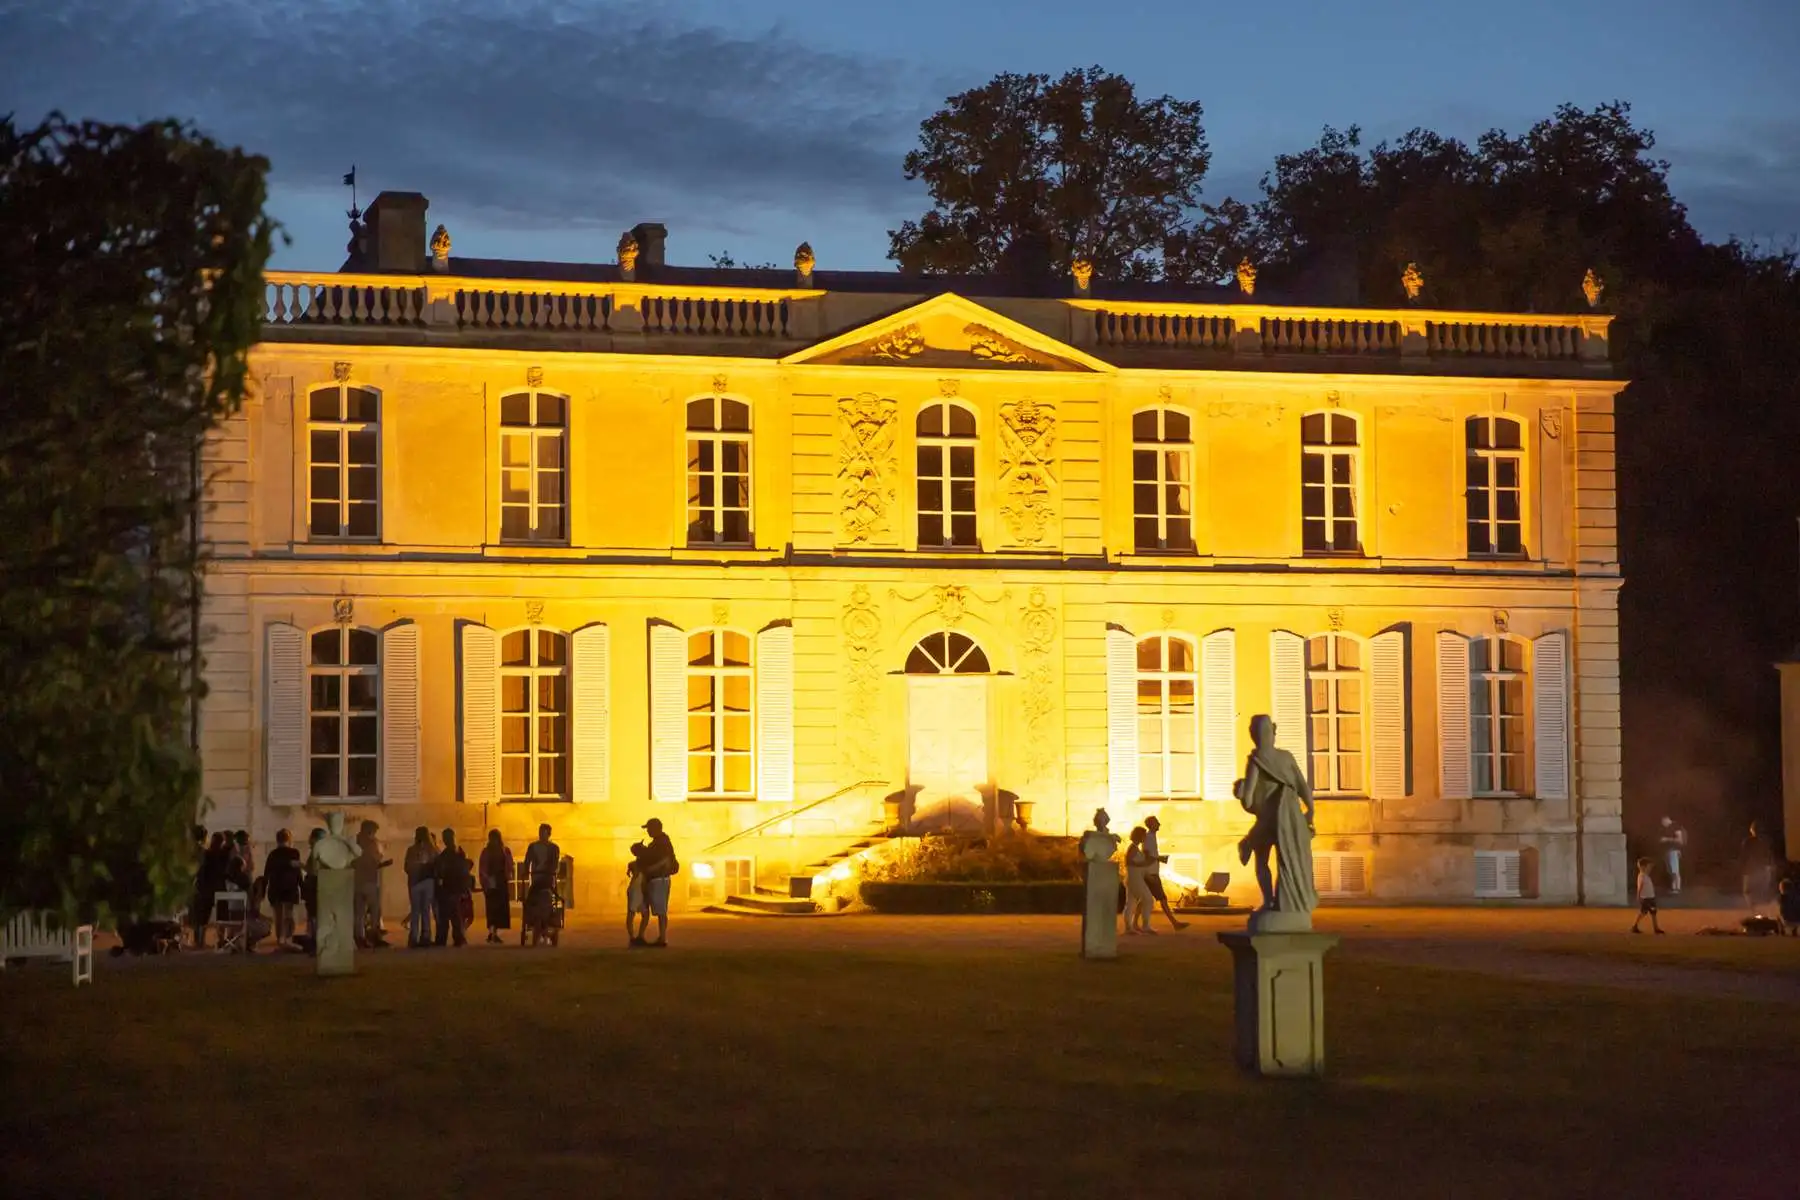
29	935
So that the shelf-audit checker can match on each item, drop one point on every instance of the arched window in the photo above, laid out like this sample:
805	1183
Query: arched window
1496	470
1328	483
534	456
947	654
947	441
343	462
1336	705
1497	676
1168	714
534	715
718	472
1162	480
343	683
720	714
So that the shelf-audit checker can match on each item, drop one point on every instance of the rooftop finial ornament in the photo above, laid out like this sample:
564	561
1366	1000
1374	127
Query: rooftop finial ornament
1413	280
1083	271
440	249
1246	277
803	264
628	255
1592	288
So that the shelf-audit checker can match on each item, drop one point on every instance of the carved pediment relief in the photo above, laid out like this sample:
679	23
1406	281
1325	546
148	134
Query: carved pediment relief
949	333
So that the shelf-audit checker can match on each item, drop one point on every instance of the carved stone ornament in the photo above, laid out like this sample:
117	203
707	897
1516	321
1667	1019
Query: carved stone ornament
948	388
1037	637
803	258
340	371
952	601
1551	420
628	252
1413	280
720	384
534	377
1083	271
1501	620
1333	400
1246	277
440	243
1592	288
1165	393
989	346
1168	618
534	612
1334	617
721	613
867	467
1027	449
343	610
861	624
903	343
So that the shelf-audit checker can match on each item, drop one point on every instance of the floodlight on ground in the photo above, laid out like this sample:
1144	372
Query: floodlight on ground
1217	882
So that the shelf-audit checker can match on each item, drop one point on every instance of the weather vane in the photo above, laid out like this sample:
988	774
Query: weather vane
355	213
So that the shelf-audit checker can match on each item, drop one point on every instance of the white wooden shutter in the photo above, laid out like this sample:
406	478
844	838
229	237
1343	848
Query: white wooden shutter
1218	698
1353	874
284	715
1550	714
400	714
590	662
775	714
1287	694
1387	713
1496	874
480	714
1453	715
1325	874
1122	784
668	713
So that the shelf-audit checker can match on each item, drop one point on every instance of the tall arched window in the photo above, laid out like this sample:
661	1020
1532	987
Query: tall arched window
343	467
534	456
947	654
343	683
1336	708
1328	483
534	715
947	441
720	714
1168	716
718	472
1496	471
1497	676
1162	480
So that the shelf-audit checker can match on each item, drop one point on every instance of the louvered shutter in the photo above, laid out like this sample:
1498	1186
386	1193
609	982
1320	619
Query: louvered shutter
1387	705
284	717
1287	694
775	714
1122	784
1487	874
1509	872
590	664
1353	874
668	713
1453	715
1325	873
1550	714
1218	695
480	715
400	714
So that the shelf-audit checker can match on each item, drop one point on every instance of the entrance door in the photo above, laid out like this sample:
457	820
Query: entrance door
947	759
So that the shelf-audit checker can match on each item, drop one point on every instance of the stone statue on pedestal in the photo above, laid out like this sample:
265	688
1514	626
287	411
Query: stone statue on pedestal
334	856
1100	912
1275	791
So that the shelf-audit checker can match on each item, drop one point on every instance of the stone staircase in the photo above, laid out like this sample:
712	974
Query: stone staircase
772	902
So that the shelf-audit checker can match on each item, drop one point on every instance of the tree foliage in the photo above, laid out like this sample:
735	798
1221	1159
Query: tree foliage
1026	172
130	293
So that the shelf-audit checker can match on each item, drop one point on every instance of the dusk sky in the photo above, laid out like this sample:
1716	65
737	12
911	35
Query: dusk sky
540	130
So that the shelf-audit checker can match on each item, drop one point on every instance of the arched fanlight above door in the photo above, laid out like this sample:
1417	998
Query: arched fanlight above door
947	653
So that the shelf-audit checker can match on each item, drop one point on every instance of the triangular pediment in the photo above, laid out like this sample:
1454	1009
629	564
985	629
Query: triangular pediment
948	332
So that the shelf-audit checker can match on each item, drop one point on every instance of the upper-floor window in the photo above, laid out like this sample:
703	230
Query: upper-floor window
1328	481
1496	470
534	715
1168	715
1335	709
343	470
718	472
1497	715
720	714
343	684
947	442
534	456
1162	480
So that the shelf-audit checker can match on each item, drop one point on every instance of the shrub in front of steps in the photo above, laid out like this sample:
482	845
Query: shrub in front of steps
1010	857
938	897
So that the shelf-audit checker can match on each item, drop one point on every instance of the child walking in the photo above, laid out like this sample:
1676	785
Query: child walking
1646	889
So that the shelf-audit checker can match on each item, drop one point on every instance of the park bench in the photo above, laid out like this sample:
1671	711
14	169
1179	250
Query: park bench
29	935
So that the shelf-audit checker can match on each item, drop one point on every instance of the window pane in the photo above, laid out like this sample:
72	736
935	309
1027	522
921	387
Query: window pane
550	410
1511	541
326	735
1181	655
737	774
549	452
735	457
1349	694
552	776
962	495
1145	534
362	483
324	780
962	461
931	460
1512	654
1343	502
549	526
1175	427
1349	654
551	733
1143	499
327	644
515	648
734	416
364	646
515	777
737	693
515	450
1506	434
324	522
1506	506
1312	536
361	404
515	524
962	421
1149	656
1341	469
1312	429
362	735
515	735
1143	465
361	447
327	692
931	495
962	528
931	529
1312	502
324	444
737	733
736	530
931	421
322	405
1143	426
552	648
1476	430
360	693
1506	472
1312	468
515	409
553	693
737	649
362	521
1478	504
515	693
1350	773
1343	430
700	414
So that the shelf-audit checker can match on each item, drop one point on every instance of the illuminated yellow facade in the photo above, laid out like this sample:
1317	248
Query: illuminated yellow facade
782	558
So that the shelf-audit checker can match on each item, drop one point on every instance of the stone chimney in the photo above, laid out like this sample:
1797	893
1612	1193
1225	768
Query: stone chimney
395	223
651	238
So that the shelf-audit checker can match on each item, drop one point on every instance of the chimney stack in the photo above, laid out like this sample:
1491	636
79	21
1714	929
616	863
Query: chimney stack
651	238
395	240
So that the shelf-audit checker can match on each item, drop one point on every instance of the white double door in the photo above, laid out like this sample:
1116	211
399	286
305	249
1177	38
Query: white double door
948	772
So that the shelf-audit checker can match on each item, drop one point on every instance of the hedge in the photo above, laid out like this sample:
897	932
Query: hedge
1061	896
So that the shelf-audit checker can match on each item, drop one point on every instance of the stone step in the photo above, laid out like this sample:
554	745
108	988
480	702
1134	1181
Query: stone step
743	906
775	903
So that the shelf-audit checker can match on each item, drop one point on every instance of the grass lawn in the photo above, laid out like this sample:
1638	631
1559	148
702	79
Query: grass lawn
1779	956
903	1073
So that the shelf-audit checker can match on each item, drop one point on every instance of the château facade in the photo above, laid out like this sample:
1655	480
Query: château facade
768	553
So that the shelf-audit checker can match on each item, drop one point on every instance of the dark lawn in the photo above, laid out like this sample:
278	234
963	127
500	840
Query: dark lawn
909	1073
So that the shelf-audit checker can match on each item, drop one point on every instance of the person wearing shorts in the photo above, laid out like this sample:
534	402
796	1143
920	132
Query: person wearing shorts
1646	890
637	912
659	867
1153	874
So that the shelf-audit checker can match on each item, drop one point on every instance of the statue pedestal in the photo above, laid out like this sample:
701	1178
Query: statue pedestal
1280	998
335	950
1100	912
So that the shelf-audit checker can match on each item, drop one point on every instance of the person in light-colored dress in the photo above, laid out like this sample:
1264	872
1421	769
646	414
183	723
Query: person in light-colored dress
1139	903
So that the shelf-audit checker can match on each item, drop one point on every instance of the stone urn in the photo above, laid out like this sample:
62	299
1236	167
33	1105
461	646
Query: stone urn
890	814
1022	810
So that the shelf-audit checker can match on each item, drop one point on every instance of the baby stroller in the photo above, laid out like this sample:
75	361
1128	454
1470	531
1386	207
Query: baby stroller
542	917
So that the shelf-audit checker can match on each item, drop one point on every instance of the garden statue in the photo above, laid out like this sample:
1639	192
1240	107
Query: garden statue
1274	790
334	856
1100	909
